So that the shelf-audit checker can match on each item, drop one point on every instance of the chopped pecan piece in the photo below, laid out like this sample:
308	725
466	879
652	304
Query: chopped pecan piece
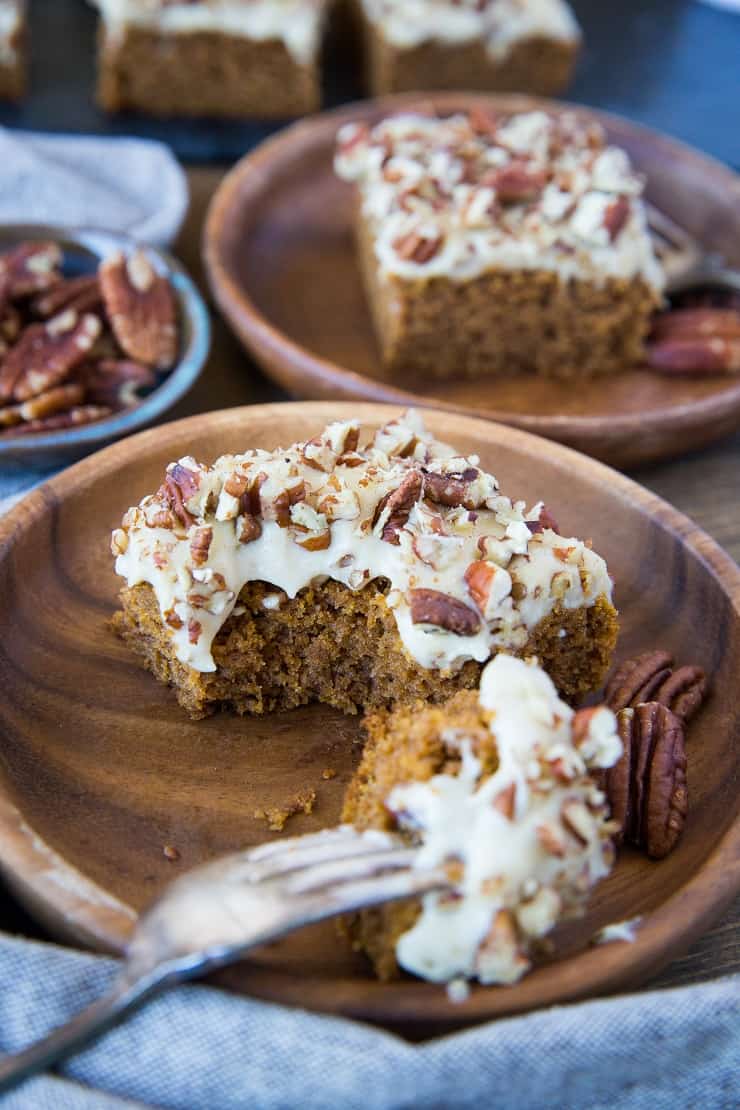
616	216
398	504
647	787
444	611
194	630
179	486
29	268
80	293
544	521
516	183
200	545
413	247
488	585
249	527
45	354
141	308
452	490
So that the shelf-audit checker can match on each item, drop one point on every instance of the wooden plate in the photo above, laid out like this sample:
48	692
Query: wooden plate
280	256
100	768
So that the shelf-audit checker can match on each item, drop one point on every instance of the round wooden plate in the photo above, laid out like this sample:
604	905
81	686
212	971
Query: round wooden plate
101	769
280	256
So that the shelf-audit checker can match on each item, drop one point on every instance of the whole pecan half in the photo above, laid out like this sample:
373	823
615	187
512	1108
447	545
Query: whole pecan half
697	323
72	418
650	677
80	293
141	308
29	268
116	382
636	680
696	355
46	353
647	788
398	504
444	611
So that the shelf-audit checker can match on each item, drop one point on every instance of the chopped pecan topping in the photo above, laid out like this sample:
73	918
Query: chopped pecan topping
141	308
504	801
314	541
444	611
516	183
616	216
200	545
249	528
544	521
452	490
194	630
488	585
397	505
179	486
551	840
413	247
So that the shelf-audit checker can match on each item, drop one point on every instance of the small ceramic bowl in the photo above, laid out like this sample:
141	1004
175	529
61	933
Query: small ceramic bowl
83	248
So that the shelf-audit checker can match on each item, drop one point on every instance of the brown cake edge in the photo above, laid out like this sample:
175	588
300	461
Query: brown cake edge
341	647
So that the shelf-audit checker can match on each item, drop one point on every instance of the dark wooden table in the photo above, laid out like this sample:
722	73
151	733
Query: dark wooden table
670	63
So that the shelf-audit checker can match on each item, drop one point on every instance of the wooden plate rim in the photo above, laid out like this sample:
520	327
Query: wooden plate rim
276	350
78	909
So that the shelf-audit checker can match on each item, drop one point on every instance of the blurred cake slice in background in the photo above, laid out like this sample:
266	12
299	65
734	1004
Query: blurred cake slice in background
491	45
210	57
12	49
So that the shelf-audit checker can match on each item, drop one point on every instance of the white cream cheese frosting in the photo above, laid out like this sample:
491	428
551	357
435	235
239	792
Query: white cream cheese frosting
500	24
297	23
469	571
528	842
461	195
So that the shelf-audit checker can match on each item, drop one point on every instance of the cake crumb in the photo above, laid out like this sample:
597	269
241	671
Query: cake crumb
458	990
618	930
329	773
171	853
278	816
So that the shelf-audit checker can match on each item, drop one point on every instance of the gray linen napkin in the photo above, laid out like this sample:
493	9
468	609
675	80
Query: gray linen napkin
200	1048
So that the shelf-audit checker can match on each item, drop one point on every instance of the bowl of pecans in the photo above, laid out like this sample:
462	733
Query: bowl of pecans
99	336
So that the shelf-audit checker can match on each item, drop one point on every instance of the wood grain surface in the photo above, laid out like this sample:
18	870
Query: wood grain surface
101	770
705	486
282	263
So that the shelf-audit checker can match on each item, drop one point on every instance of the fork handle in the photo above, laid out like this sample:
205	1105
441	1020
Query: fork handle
124	995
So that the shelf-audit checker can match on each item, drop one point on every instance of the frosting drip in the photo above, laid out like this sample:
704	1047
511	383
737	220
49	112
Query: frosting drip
528	842
467	570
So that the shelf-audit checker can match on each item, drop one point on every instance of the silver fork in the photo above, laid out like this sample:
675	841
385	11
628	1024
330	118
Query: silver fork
686	263
214	914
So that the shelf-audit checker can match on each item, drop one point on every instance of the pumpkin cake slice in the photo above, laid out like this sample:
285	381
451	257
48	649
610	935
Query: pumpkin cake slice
500	245
495	786
356	576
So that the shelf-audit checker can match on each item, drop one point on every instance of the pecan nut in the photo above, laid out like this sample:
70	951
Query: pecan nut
444	611
516	183
413	247
683	692
116	382
141	308
647	788
636	680
29	268
616	216
697	323
452	490
544	521
80	293
58	421
700	355
46	353
397	505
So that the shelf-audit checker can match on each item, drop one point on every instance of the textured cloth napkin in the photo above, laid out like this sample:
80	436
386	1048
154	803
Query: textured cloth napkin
197	1047
129	185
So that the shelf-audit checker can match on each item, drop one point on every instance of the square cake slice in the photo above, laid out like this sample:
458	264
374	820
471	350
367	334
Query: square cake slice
493	245
210	57
360	576
489	45
12	49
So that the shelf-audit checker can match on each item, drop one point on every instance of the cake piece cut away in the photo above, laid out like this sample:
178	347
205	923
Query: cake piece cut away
496	787
13	34
210	57
358	576
490	45
500	244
